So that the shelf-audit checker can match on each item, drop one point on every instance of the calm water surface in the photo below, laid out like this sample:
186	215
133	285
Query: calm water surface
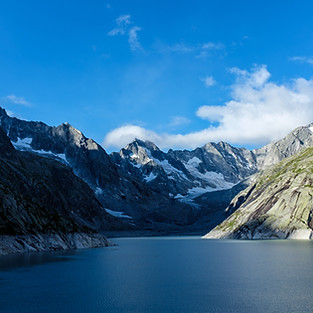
160	275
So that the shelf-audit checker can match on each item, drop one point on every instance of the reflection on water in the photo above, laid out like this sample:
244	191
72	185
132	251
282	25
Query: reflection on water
19	261
160	275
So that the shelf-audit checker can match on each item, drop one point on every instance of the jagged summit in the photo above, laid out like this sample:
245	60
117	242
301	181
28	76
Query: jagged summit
143	143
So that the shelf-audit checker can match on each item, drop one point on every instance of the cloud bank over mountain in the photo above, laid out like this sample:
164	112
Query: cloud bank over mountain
259	111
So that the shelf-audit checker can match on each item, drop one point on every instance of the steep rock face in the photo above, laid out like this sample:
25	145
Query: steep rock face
277	205
64	143
215	206
184	175
116	189
37	191
298	140
37	202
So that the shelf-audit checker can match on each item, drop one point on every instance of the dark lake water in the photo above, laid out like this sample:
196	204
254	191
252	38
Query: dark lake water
180	274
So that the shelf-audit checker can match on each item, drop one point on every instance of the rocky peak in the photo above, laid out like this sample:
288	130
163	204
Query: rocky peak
146	144
297	140
136	153
3	112
72	135
6	147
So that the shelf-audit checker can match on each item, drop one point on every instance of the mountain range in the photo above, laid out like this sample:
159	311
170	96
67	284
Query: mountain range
140	188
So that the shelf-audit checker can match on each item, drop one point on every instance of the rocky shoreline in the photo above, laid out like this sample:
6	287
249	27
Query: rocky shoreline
50	242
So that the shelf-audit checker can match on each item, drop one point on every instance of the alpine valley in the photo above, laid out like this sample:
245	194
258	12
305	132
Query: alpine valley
61	190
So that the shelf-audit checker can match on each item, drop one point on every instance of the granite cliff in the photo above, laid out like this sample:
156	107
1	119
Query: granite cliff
44	205
277	204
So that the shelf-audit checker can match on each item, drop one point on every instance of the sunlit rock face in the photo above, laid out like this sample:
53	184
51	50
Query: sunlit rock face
278	204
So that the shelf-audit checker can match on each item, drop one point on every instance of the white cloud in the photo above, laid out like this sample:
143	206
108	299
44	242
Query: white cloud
201	50
133	38
123	23
259	112
16	100
206	49
122	136
303	59
208	81
123	20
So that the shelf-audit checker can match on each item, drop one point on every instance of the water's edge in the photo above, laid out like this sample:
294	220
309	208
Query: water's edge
50	242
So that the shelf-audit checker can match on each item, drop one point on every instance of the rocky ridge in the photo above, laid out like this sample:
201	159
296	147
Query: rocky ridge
185	175
148	189
134	203
278	204
37	203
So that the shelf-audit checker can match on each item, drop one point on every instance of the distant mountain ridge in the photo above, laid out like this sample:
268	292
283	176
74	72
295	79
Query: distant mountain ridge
213	167
187	174
148	189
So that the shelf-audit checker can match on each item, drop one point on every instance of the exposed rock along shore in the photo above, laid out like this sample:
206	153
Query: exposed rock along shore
50	242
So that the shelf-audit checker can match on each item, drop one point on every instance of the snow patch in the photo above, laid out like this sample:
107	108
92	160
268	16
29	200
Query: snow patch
215	178
98	191
25	145
150	177
169	169
50	153
194	161
117	214
311	129
138	165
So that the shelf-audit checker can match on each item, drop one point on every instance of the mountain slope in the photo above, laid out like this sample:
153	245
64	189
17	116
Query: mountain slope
42	199
277	205
187	175
297	140
184	175
120	192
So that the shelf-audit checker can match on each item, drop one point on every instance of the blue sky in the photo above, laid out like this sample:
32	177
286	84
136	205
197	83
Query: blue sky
179	73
